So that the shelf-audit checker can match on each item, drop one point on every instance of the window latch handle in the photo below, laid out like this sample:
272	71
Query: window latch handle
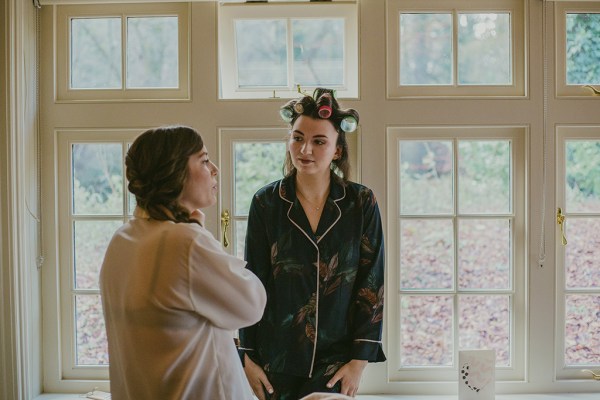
225	218
560	220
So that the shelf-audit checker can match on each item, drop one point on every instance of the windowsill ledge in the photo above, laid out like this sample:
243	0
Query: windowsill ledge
550	396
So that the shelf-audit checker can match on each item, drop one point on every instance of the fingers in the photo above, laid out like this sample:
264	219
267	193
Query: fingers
265	382
335	379
257	378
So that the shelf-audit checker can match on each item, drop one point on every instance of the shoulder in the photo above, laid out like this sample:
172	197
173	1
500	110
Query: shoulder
268	194
360	193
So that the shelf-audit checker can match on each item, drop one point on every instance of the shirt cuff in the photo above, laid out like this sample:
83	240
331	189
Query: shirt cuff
370	350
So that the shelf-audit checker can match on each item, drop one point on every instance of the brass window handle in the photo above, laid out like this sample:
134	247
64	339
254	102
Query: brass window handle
225	218
560	220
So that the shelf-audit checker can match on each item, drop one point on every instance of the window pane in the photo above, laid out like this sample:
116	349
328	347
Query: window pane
426	254
582	178
318	52
255	165
425	49
484	50
582	330
92	346
426	331
582	268
91	239
152	52
97	178
484	254
96	53
261	48
583	47
484	323
484	179
426	185
240	237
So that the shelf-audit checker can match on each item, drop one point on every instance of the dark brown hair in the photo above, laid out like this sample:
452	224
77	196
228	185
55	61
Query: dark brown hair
156	168
321	105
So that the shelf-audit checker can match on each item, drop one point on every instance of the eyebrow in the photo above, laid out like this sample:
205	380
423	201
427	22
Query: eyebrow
316	136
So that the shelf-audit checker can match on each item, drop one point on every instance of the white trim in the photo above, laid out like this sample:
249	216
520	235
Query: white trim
228	13
445	376
518	10
564	133
62	17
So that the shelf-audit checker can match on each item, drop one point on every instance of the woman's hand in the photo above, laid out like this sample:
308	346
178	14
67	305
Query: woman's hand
257	378
350	375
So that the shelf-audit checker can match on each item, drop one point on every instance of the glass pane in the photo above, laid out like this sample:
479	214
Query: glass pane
97	178
582	181
255	165
92	346
582	330
426	185
582	253
583	47
484	50
96	53
426	254
484	178
240	237
484	323
484	254
261	47
152	52
90	241
131	202
426	331
425	49
318	52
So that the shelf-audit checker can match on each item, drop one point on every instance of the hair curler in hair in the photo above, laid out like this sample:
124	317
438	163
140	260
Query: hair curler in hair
324	103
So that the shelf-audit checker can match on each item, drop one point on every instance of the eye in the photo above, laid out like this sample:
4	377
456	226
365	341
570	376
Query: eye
297	138
320	142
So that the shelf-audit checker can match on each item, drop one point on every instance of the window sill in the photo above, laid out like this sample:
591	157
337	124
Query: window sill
554	396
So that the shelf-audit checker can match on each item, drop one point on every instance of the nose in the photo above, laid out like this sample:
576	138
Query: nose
306	148
215	169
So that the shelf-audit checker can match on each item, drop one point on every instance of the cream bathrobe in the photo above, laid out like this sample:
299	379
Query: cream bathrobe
172	299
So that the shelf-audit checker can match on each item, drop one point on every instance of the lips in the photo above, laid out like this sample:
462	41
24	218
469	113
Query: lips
305	161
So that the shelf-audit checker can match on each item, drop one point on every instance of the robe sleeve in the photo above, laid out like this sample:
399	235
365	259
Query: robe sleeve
221	289
367	311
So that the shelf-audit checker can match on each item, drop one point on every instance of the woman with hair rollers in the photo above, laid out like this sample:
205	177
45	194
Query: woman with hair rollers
315	241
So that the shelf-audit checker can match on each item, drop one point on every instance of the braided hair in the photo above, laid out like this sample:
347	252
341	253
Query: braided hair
156	168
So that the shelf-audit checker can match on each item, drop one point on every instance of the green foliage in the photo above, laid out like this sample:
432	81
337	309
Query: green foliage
256	164
583	167
583	49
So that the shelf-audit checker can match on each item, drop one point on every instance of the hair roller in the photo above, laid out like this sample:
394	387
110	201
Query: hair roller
348	124
286	114
324	106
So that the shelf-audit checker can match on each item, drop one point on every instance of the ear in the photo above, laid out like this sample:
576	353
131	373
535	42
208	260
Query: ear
338	153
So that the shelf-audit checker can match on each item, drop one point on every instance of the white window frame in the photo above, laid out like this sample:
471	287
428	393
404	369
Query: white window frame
445	377
561	9
228	13
60	339
63	93
516	9
564	133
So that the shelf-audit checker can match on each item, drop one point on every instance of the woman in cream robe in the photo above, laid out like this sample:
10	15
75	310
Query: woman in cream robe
171	296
